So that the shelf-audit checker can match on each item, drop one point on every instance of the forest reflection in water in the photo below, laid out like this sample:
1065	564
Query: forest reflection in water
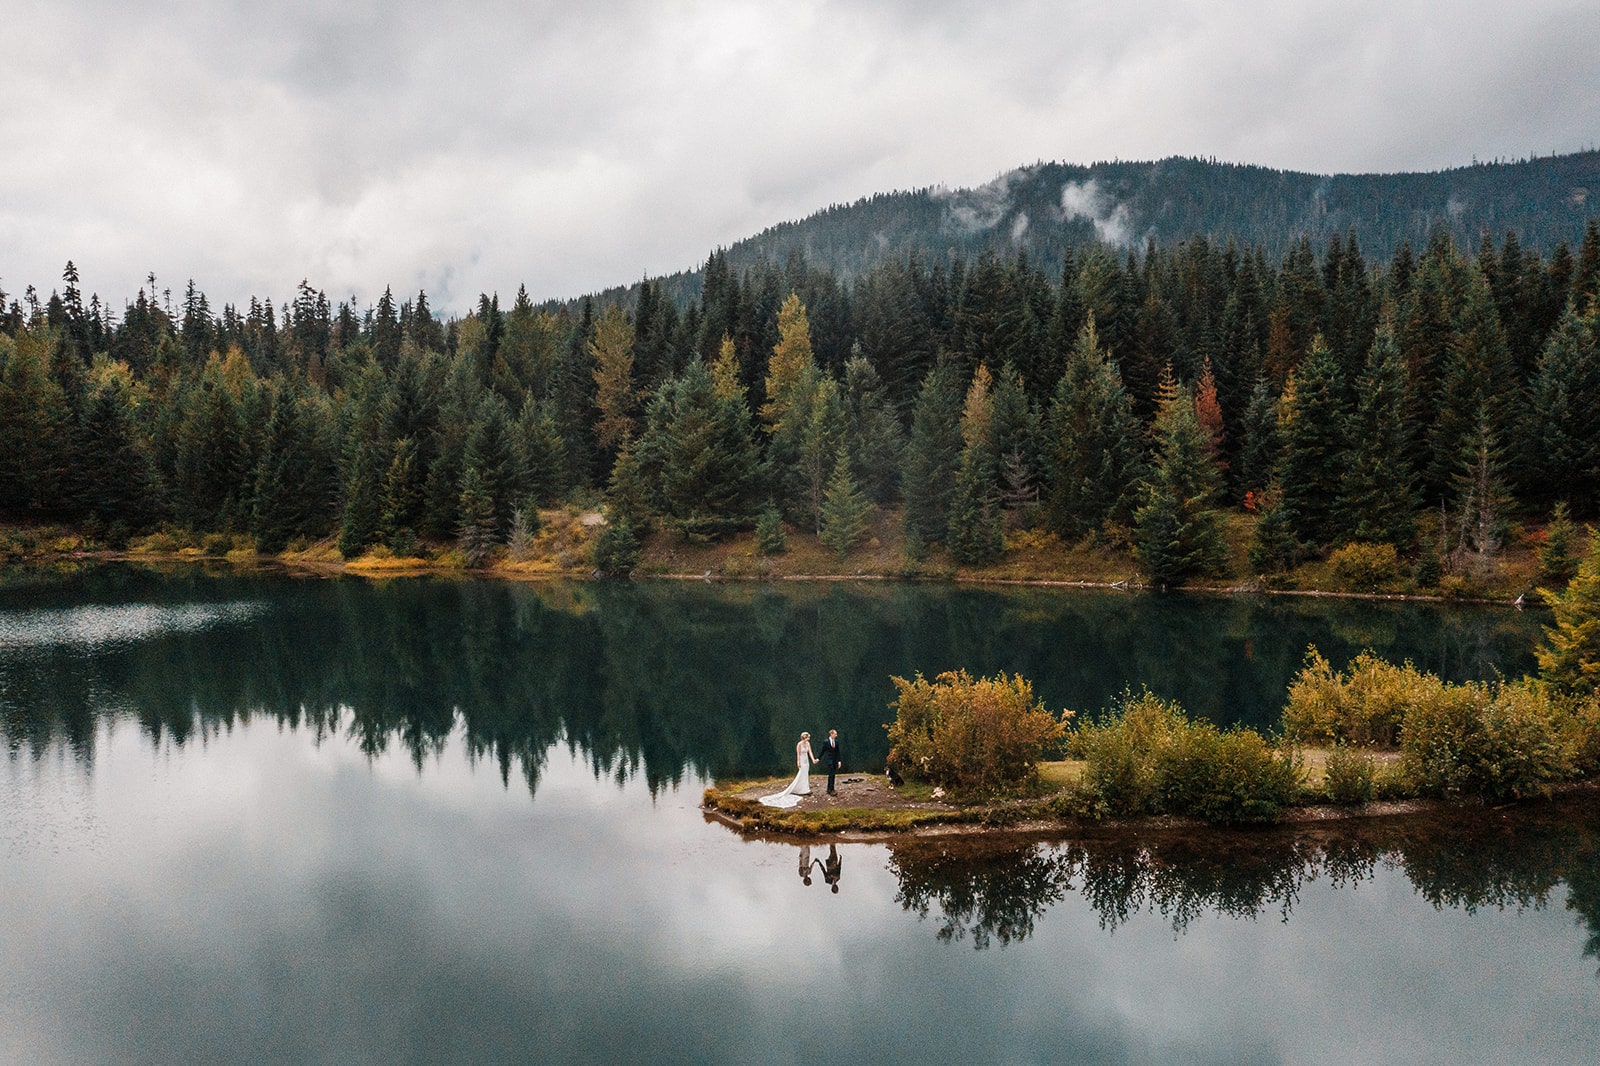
655	679
994	889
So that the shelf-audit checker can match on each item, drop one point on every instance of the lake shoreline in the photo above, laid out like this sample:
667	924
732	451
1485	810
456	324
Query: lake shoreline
864	822
318	566
563	549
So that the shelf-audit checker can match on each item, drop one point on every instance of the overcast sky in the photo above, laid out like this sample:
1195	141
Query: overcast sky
474	146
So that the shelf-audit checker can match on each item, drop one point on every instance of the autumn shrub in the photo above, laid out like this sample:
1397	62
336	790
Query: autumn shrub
1225	775
1582	726
1119	754
1148	757
1361	706
1366	567
974	737
1348	776
1497	742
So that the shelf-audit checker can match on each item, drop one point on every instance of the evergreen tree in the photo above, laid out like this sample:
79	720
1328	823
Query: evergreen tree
697	457
1274	547
541	455
1566	427
363	497
572	404
476	536
119	475
872	432
846	511
402	498
1557	563
975	535
933	456
1483	500
34	420
490	450
615	396
770	539
1311	417
1570	656
1095	455
1258	451
1177	531
1376	492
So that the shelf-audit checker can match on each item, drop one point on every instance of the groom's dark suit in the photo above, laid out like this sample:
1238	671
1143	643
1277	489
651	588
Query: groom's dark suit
831	759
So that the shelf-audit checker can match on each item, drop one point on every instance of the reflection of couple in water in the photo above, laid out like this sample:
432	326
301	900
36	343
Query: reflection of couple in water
831	866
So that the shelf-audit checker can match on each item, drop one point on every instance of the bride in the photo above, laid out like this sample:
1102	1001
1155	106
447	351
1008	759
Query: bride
801	785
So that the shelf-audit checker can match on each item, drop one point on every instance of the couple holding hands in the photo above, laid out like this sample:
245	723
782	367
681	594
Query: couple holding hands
831	760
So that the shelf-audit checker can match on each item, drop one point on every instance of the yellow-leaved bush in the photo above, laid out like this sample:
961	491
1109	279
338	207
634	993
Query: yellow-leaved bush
973	736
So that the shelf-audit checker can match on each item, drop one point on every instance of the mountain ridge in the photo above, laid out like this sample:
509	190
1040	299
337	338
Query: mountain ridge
1047	208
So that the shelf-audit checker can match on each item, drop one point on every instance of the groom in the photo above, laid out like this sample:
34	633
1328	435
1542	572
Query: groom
831	758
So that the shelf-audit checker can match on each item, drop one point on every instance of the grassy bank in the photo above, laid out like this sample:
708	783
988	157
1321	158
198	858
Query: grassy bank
563	546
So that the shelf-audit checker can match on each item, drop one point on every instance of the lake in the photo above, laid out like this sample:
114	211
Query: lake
259	818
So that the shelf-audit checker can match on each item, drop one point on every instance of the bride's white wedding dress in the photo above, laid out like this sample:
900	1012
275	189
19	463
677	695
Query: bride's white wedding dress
800	786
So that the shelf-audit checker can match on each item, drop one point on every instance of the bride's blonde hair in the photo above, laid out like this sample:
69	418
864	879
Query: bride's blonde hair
805	736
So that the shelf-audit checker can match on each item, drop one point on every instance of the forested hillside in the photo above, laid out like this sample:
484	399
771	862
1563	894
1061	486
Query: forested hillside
1048	208
1417	403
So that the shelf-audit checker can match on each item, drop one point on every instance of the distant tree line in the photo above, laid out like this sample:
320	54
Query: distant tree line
1422	403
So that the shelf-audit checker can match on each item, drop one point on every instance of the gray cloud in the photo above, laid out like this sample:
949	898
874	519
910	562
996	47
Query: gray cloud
570	147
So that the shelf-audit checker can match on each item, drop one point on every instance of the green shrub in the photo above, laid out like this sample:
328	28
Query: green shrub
1228	776
216	545
1497	742
1521	746
1437	738
1149	758
1581	724
1366	567
980	737
1119	774
159	544
1348	777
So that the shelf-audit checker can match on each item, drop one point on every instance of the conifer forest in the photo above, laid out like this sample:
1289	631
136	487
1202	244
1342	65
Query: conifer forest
1132	396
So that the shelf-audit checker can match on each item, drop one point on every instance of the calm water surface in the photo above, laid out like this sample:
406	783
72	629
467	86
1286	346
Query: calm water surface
296	820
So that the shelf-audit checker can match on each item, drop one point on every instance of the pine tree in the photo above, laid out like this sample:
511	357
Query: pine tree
1310	421
697	456
402	498
846	511
1570	656
1258	452
119	476
1177	530
1566	432
1095	455
976	531
1557	563
34	421
519	542
872	433
1377	501
1483	501
787	365
363	498
933	456
476	535
611	349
